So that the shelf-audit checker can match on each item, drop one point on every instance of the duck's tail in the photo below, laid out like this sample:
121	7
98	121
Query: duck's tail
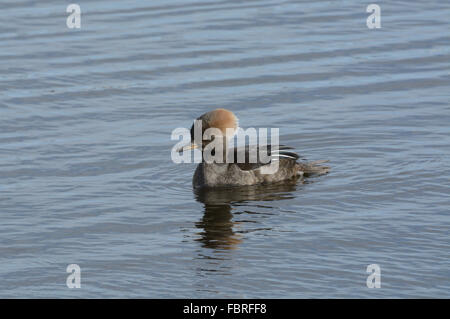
313	168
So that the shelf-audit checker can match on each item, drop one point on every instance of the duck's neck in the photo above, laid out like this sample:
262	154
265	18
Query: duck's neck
214	154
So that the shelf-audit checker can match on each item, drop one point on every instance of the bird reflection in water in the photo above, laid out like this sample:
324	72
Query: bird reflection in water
218	228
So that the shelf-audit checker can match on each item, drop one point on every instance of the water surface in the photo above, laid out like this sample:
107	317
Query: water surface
86	176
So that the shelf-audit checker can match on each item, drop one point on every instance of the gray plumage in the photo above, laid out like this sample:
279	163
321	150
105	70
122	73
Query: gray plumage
280	164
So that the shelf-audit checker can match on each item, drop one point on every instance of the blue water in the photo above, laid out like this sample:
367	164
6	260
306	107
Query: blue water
86	176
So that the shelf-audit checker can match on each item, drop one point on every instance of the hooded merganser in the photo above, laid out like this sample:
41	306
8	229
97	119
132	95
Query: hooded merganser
226	173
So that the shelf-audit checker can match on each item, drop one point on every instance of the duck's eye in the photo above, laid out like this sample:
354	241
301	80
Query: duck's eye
192	132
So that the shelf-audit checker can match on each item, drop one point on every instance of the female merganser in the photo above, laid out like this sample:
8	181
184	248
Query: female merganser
247	172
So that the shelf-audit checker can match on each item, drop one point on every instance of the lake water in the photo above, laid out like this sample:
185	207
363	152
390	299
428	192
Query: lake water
86	117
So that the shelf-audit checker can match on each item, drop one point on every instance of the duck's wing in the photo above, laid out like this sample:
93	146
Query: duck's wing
251	157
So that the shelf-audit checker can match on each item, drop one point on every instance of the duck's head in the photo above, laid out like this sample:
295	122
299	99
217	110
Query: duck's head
220	123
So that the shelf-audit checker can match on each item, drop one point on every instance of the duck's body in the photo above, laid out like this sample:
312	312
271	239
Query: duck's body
219	175
246	172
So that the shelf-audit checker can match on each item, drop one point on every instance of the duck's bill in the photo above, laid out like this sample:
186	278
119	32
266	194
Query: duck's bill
187	148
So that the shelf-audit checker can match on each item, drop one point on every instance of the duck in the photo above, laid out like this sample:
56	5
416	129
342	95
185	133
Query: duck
241	165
